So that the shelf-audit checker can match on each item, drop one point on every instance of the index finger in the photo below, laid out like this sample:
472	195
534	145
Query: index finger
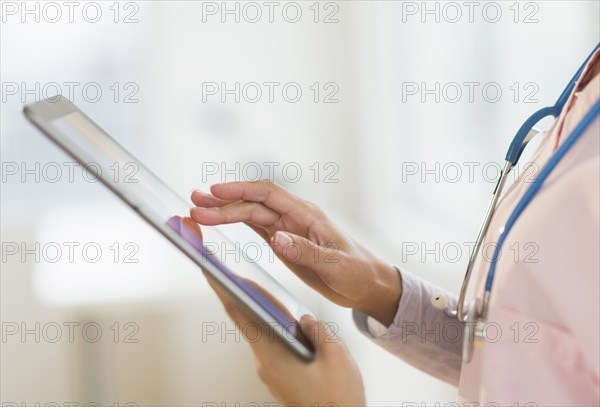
266	192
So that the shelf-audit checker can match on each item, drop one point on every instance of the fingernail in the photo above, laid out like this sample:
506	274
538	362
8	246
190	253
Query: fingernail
282	238
307	318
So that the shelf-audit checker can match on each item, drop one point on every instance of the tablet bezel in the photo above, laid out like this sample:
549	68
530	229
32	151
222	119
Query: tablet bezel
42	113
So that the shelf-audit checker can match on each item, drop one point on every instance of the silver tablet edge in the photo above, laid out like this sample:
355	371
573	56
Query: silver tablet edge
41	113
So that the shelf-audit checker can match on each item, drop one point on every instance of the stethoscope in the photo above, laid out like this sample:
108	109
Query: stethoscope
474	319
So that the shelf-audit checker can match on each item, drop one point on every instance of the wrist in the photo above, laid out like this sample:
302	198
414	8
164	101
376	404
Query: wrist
384	296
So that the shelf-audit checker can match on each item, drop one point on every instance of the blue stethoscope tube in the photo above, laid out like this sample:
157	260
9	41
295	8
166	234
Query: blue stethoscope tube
518	144
519	141
534	189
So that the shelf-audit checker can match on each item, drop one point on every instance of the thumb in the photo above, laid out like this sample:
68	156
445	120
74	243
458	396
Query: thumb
296	249
322	336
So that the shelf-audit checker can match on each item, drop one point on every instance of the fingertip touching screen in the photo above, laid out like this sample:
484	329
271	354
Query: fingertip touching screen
248	283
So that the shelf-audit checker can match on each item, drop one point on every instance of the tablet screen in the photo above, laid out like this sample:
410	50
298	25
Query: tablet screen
252	287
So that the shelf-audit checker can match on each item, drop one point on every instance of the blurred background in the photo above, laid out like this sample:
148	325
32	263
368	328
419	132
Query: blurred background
394	116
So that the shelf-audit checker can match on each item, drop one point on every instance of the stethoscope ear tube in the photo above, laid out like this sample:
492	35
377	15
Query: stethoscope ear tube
460	312
473	319
522	137
534	189
527	132
564	96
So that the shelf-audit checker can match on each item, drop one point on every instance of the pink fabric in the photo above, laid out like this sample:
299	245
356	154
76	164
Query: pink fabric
543	324
550	292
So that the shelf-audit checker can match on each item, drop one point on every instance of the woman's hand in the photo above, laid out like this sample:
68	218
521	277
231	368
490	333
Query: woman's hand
331	379
304	238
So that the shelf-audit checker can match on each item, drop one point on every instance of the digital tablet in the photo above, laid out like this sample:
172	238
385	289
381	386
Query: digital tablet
246	282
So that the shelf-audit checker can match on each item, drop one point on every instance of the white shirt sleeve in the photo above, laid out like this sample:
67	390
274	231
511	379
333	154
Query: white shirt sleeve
421	334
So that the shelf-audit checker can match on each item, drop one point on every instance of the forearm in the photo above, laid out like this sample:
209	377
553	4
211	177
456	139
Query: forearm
384	297
422	335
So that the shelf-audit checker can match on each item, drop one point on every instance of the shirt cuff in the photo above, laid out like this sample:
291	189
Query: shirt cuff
414	335
372	328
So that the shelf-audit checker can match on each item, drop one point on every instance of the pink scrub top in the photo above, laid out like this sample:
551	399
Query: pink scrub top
543	346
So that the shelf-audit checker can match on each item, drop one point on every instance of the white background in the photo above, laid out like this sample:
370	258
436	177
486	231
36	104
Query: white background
368	137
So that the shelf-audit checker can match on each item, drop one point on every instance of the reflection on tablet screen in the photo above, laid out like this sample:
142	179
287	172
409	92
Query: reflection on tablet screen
191	233
253	288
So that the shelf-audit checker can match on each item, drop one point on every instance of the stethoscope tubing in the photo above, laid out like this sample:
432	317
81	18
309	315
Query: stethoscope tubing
535	187
525	133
